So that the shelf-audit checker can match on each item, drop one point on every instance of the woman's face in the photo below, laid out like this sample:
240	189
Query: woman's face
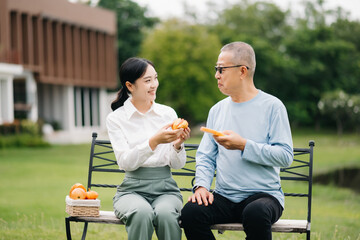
144	88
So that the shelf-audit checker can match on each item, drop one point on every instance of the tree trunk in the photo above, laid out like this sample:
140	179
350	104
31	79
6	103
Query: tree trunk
339	126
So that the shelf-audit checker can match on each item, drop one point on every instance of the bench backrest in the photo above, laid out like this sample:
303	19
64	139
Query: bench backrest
102	159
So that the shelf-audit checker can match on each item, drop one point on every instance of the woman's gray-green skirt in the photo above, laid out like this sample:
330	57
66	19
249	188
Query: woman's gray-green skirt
149	199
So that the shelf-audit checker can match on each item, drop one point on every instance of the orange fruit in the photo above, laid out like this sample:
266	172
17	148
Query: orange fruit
78	193
179	123
214	132
77	185
91	194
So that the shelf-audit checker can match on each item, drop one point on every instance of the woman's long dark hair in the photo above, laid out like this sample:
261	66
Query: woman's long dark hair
131	70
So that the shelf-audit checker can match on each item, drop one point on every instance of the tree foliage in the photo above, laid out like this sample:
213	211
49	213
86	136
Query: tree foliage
344	108
298	58
184	56
246	21
131	21
324	62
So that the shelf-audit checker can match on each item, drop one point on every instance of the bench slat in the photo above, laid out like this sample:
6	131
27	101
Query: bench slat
104	217
283	225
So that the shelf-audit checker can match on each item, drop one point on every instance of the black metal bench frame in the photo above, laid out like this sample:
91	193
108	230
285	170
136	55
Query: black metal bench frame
101	149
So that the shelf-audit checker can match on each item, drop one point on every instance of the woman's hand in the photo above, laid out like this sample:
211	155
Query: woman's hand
164	135
167	135
185	134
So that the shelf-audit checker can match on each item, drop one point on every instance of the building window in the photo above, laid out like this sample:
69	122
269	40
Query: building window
86	106
21	108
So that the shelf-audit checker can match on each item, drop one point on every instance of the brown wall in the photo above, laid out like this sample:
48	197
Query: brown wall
61	42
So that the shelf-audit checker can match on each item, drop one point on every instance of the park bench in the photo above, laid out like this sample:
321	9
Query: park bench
102	160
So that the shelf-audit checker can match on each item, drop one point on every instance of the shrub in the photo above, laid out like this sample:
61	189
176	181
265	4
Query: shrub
10	128
21	133
22	140
342	107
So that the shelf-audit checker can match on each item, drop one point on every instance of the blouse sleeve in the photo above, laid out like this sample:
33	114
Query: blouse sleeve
177	159
127	159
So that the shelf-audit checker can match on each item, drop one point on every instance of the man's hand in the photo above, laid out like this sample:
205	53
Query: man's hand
231	140
202	195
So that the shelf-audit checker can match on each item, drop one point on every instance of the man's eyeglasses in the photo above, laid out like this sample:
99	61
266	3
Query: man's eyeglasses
220	69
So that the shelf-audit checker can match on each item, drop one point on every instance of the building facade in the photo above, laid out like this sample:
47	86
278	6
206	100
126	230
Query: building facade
57	61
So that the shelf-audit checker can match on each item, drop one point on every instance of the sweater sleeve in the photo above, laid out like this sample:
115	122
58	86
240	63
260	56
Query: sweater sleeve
278	151
206	159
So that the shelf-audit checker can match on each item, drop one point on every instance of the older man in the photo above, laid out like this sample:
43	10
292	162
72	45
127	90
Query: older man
256	143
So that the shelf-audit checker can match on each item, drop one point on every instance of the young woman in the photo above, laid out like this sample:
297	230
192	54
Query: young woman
146	148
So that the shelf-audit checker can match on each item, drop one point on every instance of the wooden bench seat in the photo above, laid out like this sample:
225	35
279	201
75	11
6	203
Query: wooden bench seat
283	225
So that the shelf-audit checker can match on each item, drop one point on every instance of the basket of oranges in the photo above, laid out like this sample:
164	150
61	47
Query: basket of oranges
80	202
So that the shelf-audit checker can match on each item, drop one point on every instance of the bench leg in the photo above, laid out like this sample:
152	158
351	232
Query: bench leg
68	231
84	231
307	235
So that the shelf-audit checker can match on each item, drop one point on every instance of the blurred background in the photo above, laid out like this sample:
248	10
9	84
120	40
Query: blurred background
59	61
58	75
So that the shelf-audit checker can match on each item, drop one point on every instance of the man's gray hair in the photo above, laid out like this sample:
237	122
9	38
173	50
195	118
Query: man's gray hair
243	53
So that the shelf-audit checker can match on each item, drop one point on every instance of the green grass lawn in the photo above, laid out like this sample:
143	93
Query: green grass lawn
34	183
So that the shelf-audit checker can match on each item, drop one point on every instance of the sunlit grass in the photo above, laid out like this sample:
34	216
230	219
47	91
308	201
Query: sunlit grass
34	183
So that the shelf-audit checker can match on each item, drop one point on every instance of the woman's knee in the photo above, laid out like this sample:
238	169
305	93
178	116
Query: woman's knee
140	212
144	213
167	214
167	207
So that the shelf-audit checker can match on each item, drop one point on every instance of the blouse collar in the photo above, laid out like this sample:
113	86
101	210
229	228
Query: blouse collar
130	109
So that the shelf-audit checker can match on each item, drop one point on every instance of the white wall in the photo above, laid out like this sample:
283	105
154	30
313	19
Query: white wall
7	73
68	105
57	103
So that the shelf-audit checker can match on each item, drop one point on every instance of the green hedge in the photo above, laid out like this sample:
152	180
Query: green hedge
22	140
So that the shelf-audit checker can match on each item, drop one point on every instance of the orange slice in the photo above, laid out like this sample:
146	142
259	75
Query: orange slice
209	130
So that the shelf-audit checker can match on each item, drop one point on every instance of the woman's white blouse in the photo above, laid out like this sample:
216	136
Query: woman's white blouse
130	130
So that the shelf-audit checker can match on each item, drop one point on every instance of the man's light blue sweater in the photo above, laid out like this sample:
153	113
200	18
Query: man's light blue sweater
264	123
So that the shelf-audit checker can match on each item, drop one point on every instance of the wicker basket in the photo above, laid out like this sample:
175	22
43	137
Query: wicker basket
85	208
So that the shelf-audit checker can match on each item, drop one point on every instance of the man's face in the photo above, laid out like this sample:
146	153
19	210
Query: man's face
228	80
